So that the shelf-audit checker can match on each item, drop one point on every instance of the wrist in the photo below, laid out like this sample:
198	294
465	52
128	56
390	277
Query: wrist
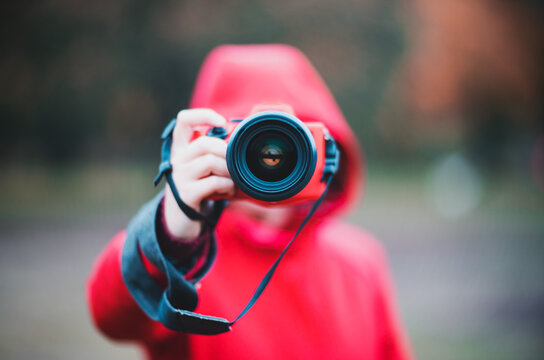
181	250
177	225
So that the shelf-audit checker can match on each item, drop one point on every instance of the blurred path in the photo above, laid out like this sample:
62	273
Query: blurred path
43	267
470	289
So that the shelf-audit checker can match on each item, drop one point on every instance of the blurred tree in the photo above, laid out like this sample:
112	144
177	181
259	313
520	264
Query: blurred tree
473	74
80	79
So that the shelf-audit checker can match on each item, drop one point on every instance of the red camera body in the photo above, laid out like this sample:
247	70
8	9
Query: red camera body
315	153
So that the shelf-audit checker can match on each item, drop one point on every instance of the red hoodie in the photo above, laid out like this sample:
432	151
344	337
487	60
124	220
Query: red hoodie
330	298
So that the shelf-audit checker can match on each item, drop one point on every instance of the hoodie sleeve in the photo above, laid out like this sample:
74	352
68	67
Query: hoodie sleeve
112	308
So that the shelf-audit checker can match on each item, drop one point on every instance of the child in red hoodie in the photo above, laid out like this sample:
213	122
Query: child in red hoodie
330	298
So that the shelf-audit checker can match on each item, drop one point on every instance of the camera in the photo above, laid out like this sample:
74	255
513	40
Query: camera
274	157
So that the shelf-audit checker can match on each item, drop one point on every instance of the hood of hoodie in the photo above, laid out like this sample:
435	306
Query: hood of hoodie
235	78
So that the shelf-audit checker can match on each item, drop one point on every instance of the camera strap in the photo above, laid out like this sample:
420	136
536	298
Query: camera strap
174	306
165	169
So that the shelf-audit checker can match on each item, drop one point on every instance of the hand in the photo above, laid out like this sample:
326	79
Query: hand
199	170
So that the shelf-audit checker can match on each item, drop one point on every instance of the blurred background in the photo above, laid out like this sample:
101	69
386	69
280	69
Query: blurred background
445	96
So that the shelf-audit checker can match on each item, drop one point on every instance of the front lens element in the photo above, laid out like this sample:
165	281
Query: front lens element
271	156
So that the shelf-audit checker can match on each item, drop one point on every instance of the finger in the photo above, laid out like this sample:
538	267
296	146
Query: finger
212	185
201	167
189	118
200	146
208	186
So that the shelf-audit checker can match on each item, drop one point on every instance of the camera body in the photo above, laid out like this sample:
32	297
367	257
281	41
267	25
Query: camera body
275	158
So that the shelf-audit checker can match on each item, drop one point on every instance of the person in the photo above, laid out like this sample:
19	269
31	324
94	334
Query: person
331	296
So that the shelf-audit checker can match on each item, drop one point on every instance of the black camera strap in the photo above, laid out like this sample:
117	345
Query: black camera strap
266	278
165	169
174	306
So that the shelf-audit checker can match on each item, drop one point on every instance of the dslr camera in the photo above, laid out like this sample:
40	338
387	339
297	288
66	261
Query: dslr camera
275	158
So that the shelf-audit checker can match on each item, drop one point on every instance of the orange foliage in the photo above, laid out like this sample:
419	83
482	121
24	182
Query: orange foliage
464	53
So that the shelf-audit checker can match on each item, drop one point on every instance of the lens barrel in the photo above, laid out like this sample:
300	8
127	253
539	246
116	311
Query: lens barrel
271	156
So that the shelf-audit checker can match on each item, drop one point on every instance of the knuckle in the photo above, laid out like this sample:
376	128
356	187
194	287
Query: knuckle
210	144
208	160
205	141
181	114
177	158
196	145
178	166
181	174
216	182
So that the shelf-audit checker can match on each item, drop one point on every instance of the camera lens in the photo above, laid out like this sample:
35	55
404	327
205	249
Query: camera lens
271	156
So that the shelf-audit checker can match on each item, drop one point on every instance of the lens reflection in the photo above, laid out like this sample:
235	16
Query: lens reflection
271	156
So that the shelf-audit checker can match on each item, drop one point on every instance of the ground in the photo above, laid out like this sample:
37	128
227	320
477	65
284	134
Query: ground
469	288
